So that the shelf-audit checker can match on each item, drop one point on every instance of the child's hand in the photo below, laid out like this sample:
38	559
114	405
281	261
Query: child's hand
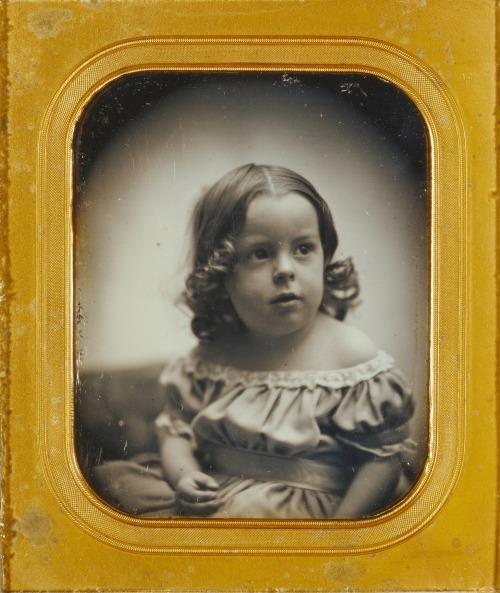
196	494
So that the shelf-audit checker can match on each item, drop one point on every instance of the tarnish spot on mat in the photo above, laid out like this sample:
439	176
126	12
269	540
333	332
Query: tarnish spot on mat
36	526
93	3
344	570
48	22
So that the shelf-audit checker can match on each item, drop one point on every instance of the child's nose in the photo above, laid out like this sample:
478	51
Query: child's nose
284	269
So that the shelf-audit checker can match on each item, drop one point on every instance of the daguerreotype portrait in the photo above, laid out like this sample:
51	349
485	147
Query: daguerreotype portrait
250	297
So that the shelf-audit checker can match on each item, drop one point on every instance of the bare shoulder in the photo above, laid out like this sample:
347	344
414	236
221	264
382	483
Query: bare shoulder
349	346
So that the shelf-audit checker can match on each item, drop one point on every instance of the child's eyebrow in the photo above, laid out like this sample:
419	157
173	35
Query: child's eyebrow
260	240
256	240
308	237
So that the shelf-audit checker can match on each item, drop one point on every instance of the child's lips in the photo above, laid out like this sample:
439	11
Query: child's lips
285	297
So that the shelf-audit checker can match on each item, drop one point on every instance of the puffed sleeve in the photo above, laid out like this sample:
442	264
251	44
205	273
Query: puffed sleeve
373	415
182	401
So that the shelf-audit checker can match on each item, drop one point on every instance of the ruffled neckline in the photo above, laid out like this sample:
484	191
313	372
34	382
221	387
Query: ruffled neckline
195	366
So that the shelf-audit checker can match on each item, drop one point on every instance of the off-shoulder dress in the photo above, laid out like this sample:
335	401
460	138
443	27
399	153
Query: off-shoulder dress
280	444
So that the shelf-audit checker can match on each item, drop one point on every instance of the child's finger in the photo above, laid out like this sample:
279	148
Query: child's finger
196	495
192	491
206	481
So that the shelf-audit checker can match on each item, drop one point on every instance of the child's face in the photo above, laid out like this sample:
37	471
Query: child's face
276	286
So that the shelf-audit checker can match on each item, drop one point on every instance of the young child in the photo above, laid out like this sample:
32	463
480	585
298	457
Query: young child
282	410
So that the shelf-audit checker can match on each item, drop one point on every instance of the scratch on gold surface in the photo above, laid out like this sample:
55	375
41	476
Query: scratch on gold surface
48	22
36	526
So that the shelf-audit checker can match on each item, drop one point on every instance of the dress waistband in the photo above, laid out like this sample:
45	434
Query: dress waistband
266	467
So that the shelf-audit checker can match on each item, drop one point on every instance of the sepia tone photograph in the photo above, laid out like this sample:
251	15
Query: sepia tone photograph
250	294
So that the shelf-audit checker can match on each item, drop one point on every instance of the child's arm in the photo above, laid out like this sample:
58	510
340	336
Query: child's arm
370	489
196	491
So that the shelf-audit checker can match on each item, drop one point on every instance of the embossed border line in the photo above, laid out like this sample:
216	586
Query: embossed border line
448	255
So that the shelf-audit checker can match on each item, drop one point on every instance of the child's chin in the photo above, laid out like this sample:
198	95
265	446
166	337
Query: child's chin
285	330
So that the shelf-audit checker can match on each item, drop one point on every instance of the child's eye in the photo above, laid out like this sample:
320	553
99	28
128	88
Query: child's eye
258	254
305	249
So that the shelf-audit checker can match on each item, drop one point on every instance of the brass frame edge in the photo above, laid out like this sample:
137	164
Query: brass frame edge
7	520
496	576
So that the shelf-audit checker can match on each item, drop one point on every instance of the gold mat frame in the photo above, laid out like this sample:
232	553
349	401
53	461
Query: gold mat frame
447	274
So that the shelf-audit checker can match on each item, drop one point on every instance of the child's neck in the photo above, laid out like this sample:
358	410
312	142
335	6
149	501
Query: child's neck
277	352
262	343
316	347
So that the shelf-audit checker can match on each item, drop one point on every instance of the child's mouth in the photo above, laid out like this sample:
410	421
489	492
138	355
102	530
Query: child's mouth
285	297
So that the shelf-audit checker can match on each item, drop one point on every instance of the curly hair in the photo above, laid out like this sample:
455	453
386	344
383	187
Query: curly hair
218	219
